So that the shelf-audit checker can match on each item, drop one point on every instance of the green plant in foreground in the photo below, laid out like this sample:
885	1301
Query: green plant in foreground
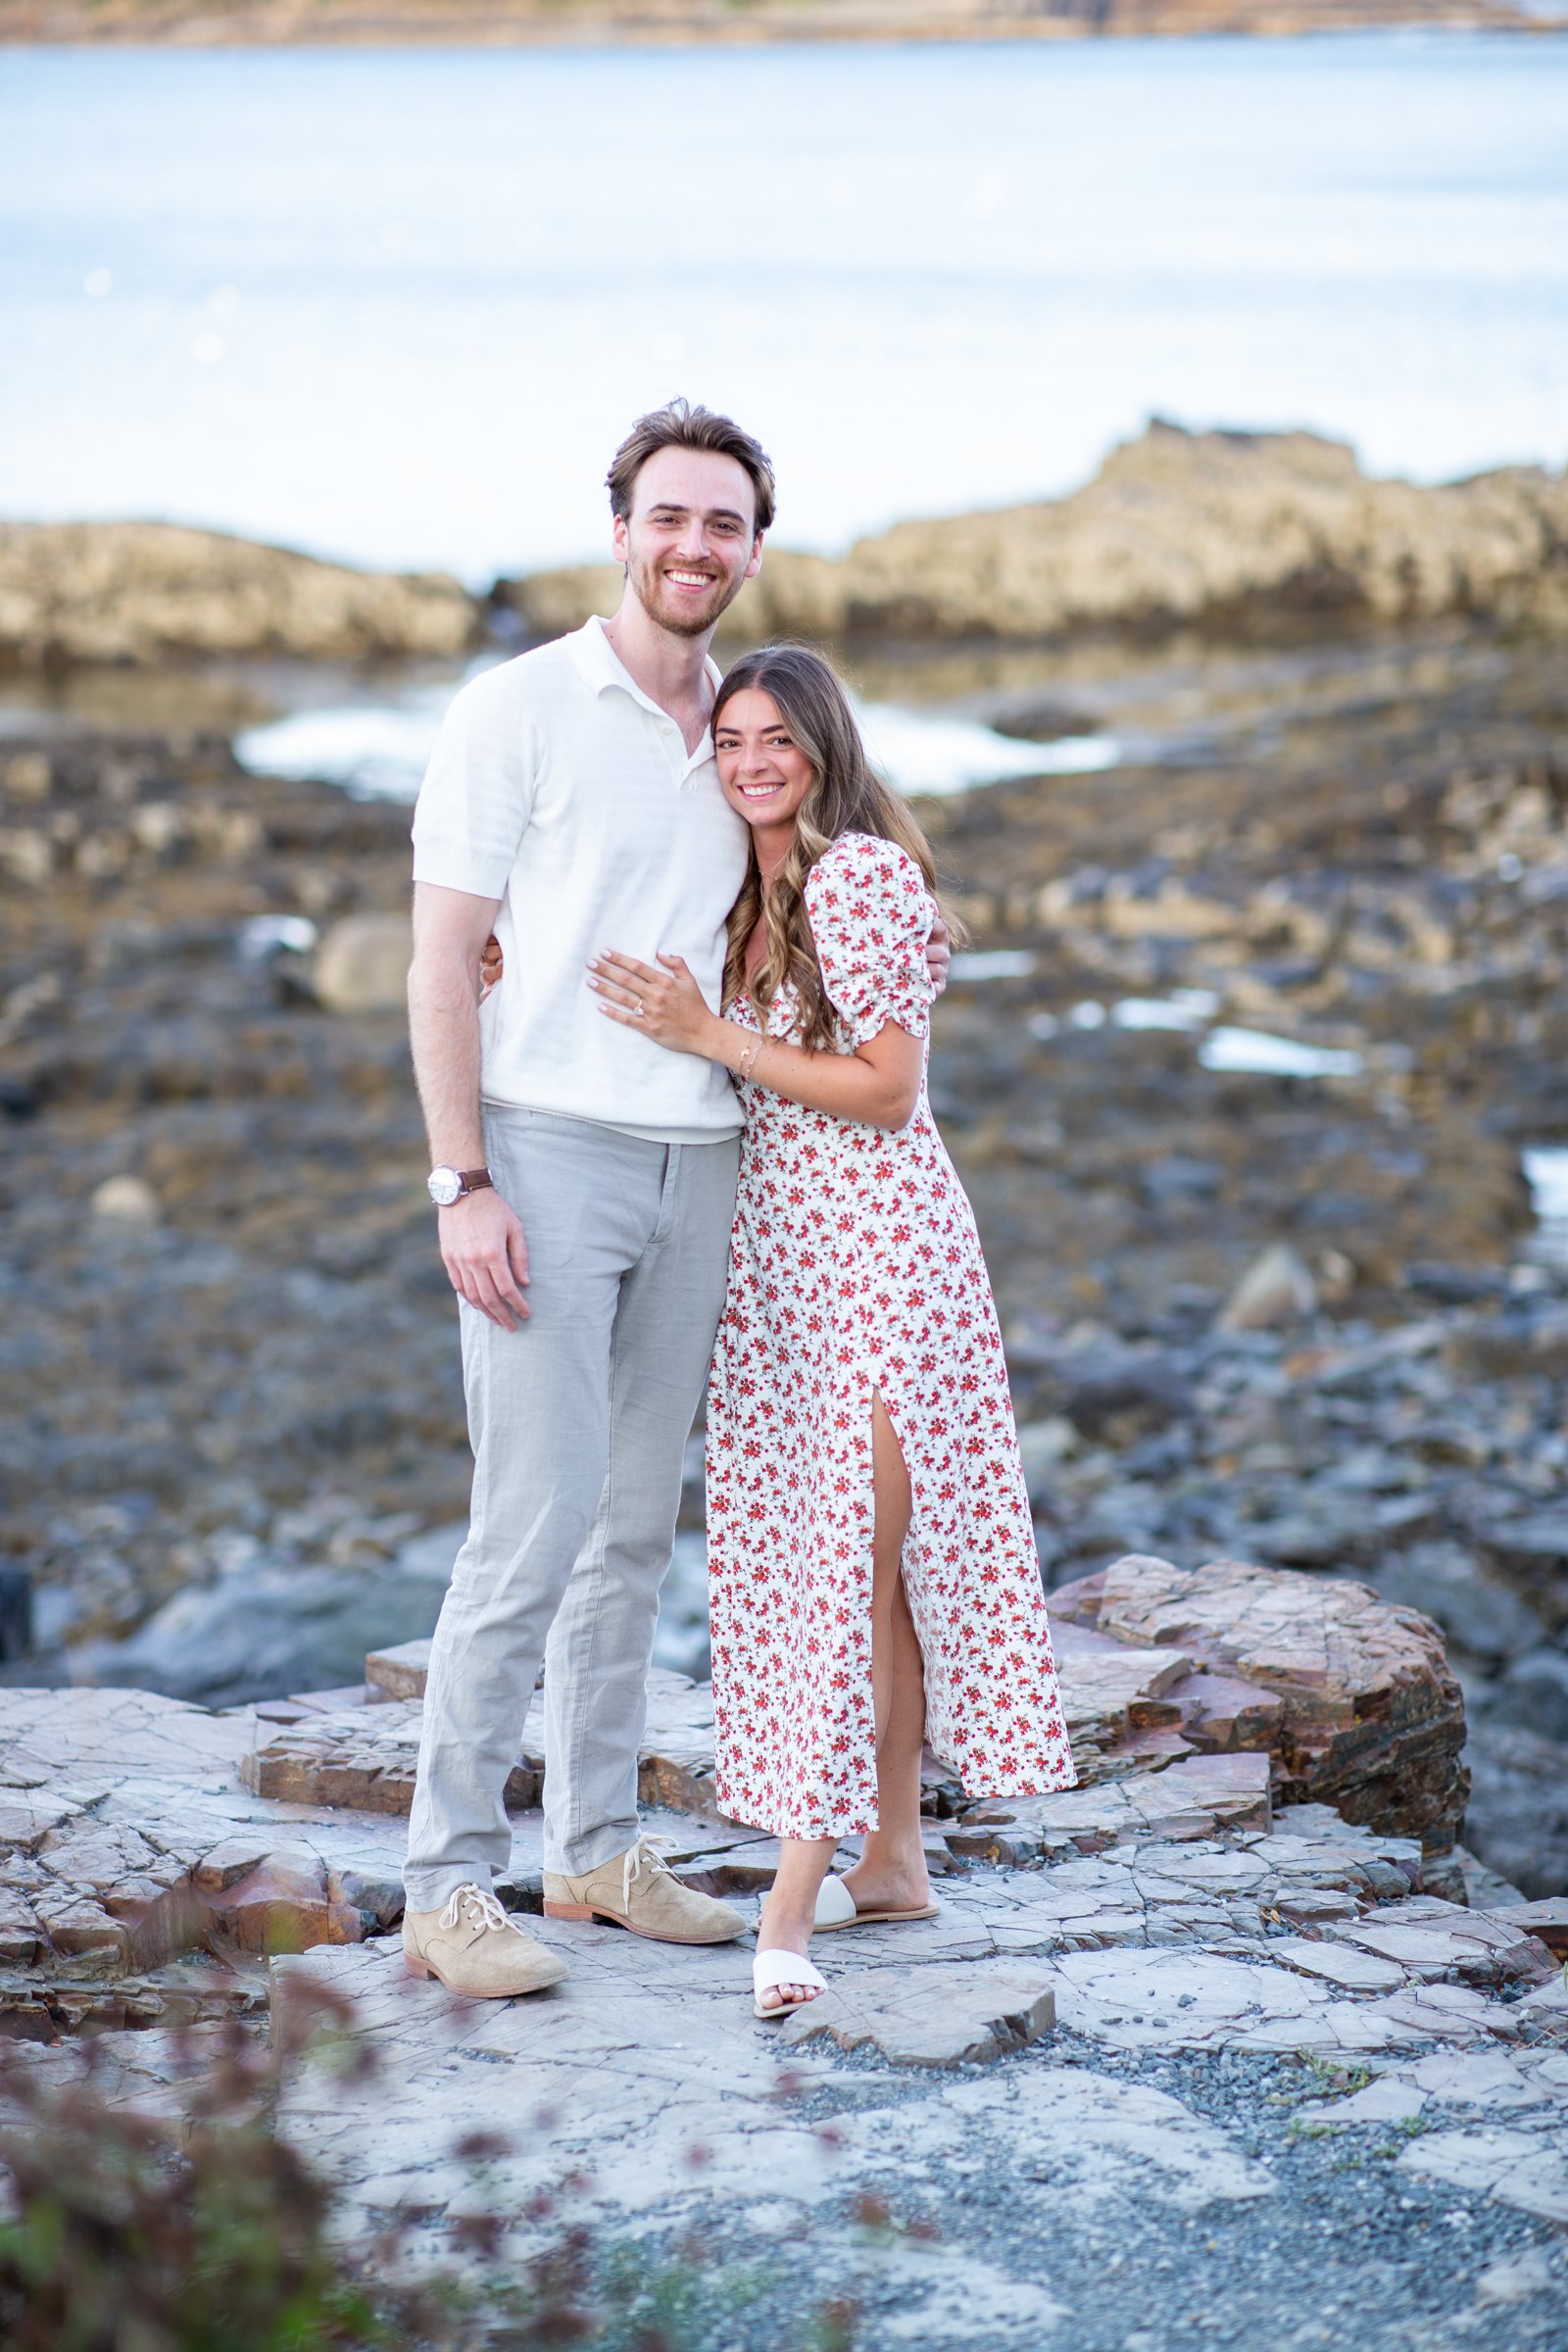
1327	2078
130	2232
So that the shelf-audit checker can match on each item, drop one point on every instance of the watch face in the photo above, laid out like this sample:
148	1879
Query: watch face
445	1186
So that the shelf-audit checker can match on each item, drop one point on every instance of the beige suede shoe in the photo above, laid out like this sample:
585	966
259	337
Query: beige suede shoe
639	1891
476	1948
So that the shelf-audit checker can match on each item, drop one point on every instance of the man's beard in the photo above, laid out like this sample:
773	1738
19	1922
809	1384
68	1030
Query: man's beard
679	617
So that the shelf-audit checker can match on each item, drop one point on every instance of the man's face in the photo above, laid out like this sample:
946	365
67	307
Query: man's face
690	542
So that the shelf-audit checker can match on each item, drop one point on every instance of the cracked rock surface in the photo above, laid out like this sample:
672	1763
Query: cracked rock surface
1169	2057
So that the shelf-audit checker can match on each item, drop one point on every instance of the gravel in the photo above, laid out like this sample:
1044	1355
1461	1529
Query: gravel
1350	2248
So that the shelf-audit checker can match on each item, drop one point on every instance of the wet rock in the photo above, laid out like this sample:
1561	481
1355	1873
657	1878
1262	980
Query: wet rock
125	1200
1509	1346
1029	719
362	965
1104	1385
1454	1286
1517	1817
15	1611
1479	1615
264	1630
1044	1446
1535	1693
1533	1551
1276	1288
147	591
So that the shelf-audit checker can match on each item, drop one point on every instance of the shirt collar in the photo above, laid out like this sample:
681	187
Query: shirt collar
599	666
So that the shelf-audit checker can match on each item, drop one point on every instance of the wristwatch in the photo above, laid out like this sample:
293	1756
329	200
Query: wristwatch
446	1185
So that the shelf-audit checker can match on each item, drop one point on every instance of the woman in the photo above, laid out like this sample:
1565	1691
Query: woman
871	1557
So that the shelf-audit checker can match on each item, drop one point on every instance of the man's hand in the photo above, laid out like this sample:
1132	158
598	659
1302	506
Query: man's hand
938	954
486	1256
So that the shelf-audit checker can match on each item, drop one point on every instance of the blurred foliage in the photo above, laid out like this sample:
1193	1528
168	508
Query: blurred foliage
199	2229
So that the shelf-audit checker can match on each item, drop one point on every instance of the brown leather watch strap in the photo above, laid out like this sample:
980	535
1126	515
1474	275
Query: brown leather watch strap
473	1180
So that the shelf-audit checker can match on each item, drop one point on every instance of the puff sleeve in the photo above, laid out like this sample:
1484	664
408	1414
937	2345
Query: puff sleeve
871	915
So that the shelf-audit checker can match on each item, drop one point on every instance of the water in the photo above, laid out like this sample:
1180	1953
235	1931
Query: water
1184	1009
399	305
994	963
1545	1170
380	749
1260	1054
1190	1011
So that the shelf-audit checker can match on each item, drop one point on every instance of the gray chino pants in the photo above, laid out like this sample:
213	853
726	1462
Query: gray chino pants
578	1421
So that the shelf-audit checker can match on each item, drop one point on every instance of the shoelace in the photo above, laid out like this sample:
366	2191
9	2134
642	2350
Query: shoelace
648	1852
482	1906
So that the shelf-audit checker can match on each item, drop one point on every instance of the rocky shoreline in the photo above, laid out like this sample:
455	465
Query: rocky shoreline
234	1446
1238	531
194	24
1140	2001
145	593
1260	2032
1241	535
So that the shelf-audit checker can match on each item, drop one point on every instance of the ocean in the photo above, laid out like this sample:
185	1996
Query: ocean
398	306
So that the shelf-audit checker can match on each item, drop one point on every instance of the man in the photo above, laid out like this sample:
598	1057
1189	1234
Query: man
584	1184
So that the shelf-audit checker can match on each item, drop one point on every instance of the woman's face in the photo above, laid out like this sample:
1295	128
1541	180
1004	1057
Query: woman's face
765	773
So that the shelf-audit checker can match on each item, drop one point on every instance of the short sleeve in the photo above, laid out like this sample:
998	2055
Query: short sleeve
477	795
871	915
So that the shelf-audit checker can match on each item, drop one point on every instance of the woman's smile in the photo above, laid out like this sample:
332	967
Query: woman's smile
765	773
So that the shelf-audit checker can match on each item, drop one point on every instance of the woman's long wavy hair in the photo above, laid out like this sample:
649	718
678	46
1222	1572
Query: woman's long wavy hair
846	796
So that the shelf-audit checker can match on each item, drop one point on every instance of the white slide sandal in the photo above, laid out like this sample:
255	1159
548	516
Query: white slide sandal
836	1907
774	1968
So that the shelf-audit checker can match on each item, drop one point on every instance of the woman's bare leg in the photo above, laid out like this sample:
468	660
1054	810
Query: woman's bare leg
789	1911
892	1870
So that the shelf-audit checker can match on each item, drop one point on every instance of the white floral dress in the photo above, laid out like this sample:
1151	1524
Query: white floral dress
855	1267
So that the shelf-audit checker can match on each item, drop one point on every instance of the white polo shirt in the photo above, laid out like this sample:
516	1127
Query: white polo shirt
560	788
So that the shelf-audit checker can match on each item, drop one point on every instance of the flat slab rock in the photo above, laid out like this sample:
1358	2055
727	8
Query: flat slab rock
1351	1696
128	1837
646	2073
1372	1718
934	2016
1199	1919
648	2053
1118	1699
363	1757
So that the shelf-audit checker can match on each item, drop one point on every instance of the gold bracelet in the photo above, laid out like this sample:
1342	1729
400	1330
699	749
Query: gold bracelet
749	1058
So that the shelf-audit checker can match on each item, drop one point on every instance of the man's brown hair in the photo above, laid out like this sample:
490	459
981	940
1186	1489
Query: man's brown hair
679	425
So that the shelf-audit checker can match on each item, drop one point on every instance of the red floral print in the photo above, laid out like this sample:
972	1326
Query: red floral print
856	1268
